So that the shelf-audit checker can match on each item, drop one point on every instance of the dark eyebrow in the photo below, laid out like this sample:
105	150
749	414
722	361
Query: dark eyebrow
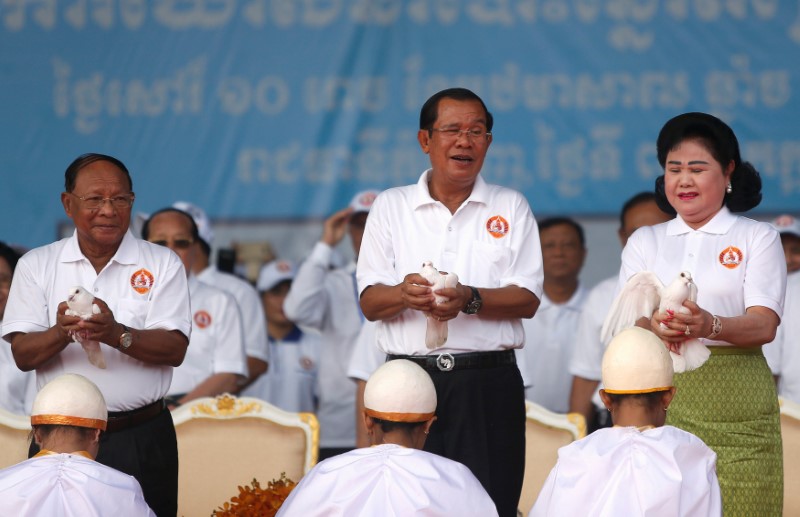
695	162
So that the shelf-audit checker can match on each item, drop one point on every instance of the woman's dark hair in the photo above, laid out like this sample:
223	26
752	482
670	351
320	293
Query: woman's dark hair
719	140
46	430
648	400
192	225
430	110
85	159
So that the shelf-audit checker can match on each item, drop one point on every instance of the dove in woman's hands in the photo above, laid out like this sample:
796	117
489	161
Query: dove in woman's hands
436	331
81	304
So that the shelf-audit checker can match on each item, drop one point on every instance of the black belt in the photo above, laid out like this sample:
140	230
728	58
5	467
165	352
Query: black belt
119	420
446	361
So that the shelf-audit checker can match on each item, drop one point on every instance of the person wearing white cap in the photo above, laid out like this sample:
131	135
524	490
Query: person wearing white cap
783	354
290	382
69	414
142	327
325	299
393	477
246	296
215	361
640	466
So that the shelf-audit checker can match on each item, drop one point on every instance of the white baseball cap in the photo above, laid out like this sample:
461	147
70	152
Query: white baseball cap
636	361
787	224
202	221
400	391
70	399
273	273
362	202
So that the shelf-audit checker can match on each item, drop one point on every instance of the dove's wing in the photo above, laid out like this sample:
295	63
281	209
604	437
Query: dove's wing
639	298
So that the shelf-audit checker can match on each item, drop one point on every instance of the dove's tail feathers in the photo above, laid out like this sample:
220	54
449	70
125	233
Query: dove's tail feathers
435	333
94	353
695	353
638	298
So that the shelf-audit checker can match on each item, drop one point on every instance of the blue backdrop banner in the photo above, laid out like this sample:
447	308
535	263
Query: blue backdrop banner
285	108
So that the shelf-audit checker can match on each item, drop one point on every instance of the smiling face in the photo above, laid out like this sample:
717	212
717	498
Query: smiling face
100	230
694	182
457	159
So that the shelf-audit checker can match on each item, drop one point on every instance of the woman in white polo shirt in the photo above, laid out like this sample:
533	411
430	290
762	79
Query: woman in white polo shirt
739	269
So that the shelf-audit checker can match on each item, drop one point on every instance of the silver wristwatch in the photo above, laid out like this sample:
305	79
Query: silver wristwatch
125	339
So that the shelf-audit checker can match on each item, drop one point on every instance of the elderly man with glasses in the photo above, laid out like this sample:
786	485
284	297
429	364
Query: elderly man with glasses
142	322
487	235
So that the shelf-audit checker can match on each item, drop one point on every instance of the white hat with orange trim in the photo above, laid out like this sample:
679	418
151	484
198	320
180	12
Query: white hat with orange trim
787	224
636	361
400	391
70	399
200	219
362	202
273	273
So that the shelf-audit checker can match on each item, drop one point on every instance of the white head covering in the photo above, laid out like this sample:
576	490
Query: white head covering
70	399
400	391
200	219
362	202
273	273
636	361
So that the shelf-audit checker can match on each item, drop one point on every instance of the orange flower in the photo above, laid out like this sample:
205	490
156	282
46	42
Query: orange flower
254	501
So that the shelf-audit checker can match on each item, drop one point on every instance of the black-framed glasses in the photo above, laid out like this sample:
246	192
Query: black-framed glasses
453	133
180	244
96	202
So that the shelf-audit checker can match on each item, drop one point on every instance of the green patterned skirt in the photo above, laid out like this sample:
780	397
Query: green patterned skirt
731	404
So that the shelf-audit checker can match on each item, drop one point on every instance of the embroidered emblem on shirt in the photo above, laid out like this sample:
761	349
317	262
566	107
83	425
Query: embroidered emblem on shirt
497	226
306	363
731	257
142	281
202	319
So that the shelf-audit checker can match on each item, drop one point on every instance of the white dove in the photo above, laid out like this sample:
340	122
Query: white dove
81	304
436	331
643	292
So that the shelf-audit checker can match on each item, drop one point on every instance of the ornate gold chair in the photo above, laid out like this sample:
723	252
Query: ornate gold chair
545	433
790	430
14	433
226	442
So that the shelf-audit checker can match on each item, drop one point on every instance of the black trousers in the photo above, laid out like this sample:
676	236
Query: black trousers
481	423
148	452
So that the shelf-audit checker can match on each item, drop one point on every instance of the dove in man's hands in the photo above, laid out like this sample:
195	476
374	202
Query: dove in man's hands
436	331
81	304
640	296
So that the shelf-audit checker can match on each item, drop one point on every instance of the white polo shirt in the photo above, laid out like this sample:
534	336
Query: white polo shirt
325	300
253	322
549	340
217	343
491	241
783	354
367	357
735	262
17	388
587	353
143	284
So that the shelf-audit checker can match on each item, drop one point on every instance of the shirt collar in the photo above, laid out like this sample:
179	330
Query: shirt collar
479	194
293	336
127	252
719	224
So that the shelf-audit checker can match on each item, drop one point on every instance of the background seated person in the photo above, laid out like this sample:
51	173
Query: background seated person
393	477
69	414
639	466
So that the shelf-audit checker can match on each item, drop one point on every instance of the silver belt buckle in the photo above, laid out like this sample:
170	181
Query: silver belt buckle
445	362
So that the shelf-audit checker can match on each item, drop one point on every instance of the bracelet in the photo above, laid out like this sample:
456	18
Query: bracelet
716	327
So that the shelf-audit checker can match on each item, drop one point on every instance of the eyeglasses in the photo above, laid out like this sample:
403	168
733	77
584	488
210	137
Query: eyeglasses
180	244
96	202
453	133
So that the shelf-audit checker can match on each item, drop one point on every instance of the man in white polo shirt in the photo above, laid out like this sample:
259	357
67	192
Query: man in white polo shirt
143	325
487	235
